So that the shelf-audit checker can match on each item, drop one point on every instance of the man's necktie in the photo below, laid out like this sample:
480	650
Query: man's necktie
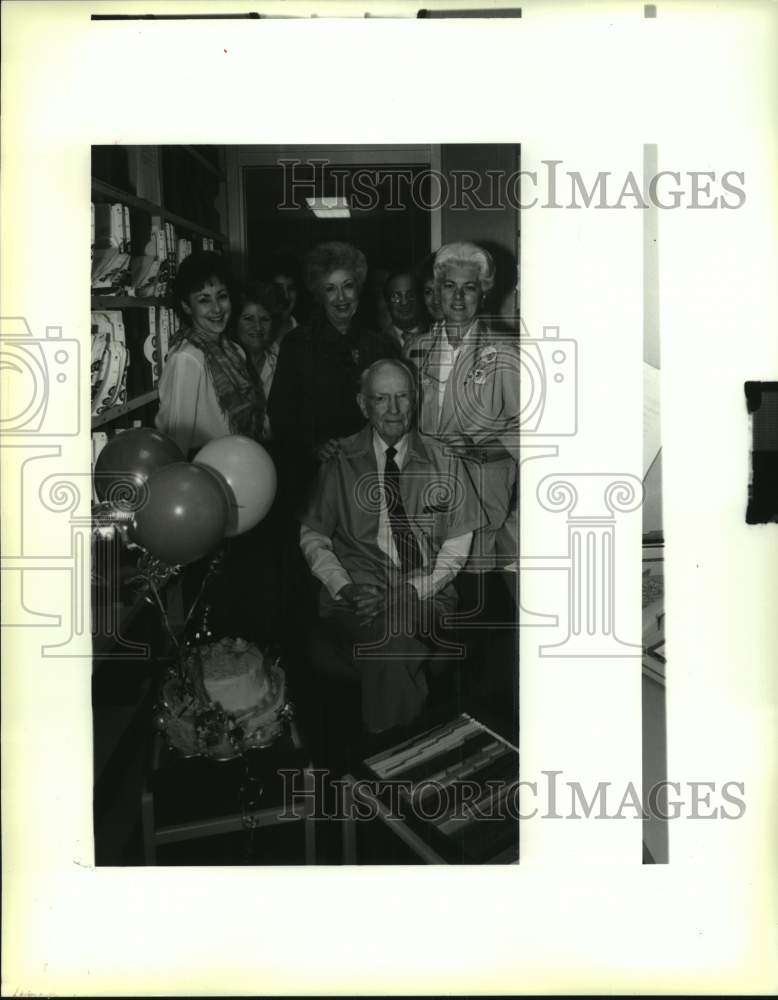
404	539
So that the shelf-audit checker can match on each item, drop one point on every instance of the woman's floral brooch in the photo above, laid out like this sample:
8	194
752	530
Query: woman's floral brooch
480	370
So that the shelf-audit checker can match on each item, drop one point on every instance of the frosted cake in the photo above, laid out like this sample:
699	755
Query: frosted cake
226	698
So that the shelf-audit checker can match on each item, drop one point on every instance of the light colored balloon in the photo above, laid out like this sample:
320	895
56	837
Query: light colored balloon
249	475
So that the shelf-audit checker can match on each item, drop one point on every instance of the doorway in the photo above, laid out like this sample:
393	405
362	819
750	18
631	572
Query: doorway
391	206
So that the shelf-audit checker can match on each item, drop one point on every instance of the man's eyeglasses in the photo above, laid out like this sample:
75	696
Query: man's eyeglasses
396	297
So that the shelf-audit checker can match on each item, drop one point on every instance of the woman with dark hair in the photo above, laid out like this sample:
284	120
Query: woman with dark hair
313	398
259	325
205	390
284	273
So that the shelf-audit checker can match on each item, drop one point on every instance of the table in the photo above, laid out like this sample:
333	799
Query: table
187	798
449	793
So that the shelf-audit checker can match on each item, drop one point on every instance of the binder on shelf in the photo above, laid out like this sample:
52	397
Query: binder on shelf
146	266
110	360
166	328
129	288
109	223
172	328
163	259
184	249
171	245
151	347
111	375
110	256
99	357
120	396
127	248
99	441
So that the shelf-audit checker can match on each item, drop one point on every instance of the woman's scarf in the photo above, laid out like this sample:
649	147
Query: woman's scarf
241	400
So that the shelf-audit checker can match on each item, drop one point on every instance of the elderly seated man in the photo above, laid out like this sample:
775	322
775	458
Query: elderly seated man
388	527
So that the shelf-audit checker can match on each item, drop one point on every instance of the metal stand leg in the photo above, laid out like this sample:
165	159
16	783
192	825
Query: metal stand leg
309	822
349	828
149	832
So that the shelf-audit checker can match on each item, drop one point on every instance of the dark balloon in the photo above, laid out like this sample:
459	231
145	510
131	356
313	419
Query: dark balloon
125	464
185	515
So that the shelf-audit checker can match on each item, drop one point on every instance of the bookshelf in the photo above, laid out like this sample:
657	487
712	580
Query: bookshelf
128	302
107	417
148	201
152	205
109	192
160	201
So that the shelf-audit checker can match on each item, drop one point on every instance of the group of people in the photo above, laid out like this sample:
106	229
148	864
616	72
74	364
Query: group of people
396	447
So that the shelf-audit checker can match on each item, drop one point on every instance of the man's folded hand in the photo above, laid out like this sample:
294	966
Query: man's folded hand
402	598
364	599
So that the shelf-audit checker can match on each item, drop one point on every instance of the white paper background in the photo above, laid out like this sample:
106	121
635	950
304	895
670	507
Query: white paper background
586	84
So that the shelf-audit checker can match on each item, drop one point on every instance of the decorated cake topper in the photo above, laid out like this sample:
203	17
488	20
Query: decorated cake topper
217	698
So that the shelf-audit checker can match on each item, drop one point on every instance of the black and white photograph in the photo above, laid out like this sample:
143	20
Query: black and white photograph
305	425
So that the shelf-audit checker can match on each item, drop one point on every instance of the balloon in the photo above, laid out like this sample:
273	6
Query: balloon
128	460
184	516
249	474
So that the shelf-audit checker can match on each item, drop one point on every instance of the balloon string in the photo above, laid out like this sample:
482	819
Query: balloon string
163	612
209	573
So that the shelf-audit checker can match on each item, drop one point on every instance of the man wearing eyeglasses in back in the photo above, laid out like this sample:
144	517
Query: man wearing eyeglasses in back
400	295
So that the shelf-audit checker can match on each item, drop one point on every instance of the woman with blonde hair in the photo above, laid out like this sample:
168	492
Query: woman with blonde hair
313	398
469	395
468	387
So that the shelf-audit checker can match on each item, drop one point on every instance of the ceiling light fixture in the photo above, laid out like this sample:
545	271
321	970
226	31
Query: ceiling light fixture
329	208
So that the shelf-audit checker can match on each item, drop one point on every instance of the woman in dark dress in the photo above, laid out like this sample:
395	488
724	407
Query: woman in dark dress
313	403
313	398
